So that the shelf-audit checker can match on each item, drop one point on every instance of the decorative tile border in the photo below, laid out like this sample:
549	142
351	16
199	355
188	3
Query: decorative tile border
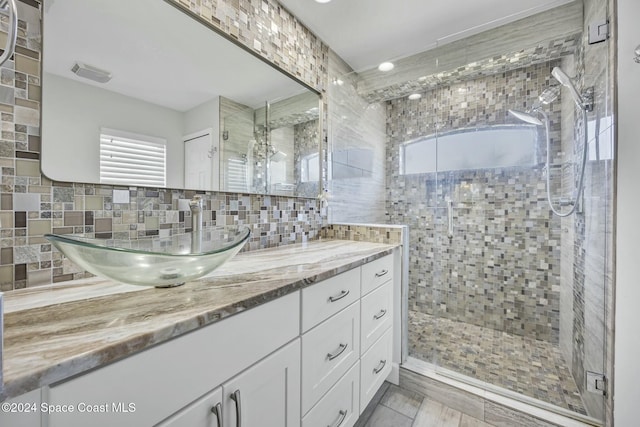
363	233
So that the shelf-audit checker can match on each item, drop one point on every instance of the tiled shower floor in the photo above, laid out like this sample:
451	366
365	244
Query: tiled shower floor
524	365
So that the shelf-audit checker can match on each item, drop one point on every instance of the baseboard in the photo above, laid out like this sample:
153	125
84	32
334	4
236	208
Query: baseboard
483	403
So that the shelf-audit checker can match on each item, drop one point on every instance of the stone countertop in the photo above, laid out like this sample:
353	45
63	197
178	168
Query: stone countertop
57	331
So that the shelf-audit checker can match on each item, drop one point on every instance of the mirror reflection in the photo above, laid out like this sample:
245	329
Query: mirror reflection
127	102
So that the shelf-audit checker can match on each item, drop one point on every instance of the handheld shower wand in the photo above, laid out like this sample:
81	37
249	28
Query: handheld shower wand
566	81
546	97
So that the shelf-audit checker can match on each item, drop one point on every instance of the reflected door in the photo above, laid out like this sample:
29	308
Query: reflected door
201	162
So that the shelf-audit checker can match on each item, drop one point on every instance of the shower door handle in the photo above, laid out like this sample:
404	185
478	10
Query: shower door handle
450	219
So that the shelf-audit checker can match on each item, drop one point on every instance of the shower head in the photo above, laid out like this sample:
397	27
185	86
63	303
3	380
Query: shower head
549	95
525	117
278	156
565	80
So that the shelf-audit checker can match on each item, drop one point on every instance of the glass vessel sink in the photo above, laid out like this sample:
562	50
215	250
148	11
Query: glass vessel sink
154	261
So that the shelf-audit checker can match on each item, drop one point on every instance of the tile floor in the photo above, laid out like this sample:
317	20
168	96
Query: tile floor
524	365
396	407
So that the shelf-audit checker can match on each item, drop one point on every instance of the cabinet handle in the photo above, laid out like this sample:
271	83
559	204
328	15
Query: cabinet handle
235	396
381	314
218	411
341	417
382	273
339	297
380	367
340	350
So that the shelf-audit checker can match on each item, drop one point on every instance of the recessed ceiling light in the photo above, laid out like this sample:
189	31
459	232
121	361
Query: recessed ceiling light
415	96
323	1
386	66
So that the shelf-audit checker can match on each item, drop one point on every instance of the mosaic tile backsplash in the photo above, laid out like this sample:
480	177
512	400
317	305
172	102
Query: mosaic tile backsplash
501	268
32	205
364	233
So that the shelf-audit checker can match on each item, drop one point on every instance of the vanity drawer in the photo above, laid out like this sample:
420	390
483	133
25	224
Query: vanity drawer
199	413
340	406
163	379
322	300
328	351
376	273
375	367
376	315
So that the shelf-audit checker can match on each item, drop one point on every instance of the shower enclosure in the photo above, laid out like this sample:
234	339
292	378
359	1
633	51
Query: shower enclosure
504	294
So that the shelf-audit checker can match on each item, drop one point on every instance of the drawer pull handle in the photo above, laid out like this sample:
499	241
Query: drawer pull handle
340	350
382	273
380	367
381	314
339	296
218	411
341	417
235	396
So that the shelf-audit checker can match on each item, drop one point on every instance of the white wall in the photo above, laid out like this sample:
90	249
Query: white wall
204	116
72	116
627	319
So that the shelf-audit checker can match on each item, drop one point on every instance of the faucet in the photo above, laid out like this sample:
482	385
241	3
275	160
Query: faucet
196	205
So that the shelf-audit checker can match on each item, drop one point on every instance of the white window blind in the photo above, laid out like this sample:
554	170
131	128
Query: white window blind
132	159
237	175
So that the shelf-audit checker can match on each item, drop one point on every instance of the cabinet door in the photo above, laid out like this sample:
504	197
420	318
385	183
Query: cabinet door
375	367
377	315
22	411
204	412
328	351
267	394
340	406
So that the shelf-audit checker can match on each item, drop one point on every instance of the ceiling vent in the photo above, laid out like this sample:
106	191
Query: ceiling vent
91	73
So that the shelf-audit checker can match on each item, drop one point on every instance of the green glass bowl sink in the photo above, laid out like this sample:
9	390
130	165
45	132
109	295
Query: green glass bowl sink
154	261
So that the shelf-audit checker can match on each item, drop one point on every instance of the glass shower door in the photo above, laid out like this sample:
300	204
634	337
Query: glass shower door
518	293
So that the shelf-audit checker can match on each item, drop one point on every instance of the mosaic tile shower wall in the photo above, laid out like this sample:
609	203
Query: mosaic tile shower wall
32	205
498	214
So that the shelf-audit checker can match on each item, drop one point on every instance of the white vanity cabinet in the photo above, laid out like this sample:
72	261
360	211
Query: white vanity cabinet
267	394
150	386
346	343
311	358
204	412
377	331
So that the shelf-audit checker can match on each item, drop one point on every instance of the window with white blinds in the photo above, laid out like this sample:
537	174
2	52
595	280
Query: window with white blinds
132	159
237	175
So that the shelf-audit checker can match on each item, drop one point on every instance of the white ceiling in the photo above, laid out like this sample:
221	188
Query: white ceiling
367	32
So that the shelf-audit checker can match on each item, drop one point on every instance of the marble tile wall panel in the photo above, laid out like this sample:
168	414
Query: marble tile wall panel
356	151
450	396
45	206
593	285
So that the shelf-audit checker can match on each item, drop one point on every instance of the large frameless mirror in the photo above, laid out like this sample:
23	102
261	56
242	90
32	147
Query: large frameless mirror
142	94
